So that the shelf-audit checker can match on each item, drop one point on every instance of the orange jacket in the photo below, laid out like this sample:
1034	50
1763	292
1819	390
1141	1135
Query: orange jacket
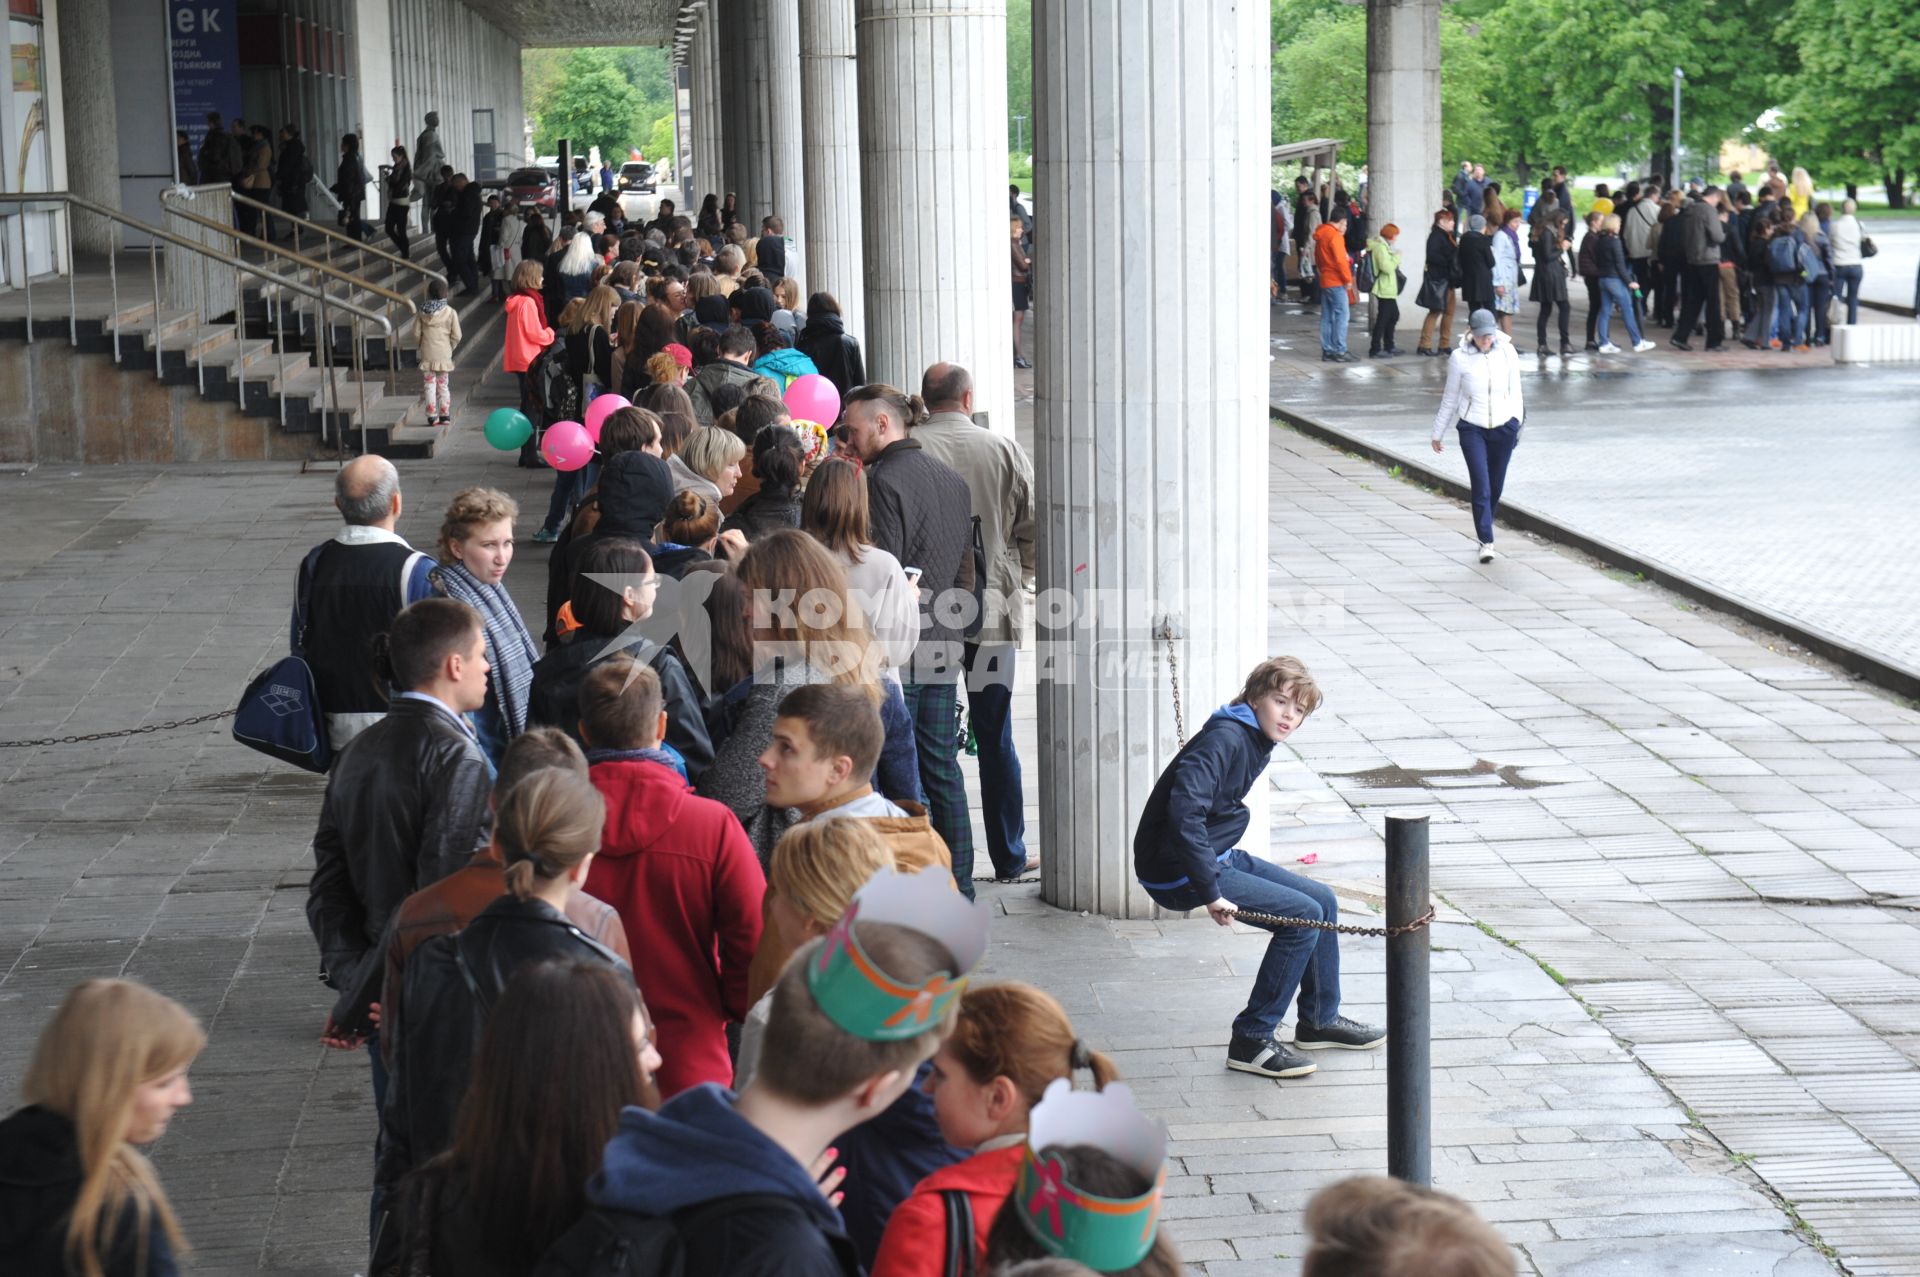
915	1243
527	331
1330	256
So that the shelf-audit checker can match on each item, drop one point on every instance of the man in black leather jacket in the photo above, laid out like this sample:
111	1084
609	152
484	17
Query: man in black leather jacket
406	803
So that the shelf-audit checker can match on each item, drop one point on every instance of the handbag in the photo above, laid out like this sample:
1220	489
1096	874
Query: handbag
962	1258
978	549
1432	294
279	713
1867	247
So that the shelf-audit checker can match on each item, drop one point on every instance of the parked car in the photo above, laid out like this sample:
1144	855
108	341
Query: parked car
635	175
530	187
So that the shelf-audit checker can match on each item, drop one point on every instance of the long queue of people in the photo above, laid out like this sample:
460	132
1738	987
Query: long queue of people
1768	268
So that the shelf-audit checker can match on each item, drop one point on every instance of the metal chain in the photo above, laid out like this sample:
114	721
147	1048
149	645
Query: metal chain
1274	920
130	731
1173	671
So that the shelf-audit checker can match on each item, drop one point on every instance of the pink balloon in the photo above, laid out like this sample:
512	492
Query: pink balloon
812	397
599	410
566	445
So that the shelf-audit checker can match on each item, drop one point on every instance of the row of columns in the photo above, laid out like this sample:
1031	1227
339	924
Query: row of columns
1151	139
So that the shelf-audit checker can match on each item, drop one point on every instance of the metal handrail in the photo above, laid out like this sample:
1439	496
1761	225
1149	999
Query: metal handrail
241	237
67	201
329	232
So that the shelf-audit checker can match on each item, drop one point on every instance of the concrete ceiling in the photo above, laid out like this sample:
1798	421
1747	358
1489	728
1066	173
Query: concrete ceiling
571	24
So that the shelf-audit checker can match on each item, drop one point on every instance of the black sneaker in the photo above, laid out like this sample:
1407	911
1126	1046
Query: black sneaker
1267	1059
1341	1035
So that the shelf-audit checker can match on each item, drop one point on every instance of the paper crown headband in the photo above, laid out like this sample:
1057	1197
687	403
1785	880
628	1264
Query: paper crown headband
1106	1234
867	1002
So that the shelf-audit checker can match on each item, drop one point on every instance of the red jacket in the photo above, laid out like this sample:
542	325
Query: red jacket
683	876
1330	256
527	331
915	1244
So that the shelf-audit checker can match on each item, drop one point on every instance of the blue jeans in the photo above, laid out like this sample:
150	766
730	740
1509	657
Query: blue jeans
1790	314
1819	299
1614	292
570	487
1333	321
1487	452
1298	959
1002	797
935	708
1847	284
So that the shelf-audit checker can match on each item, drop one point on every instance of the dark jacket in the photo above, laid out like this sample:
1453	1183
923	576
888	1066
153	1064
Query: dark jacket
771	255
555	698
590	350
441	1229
764	512
400	183
1610	260
39	1180
922	513
632	494
1549	270
698	1150
1197	811
189	170
1585	262
406	805
722	372
1476	270
468	209
834	351
294	172
219	157
349	179
885	1158
1700	233
452	985
1442	255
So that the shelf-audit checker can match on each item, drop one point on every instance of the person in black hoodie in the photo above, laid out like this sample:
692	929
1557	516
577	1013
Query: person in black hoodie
738	1173
632	496
834	350
613	599
350	188
547	828
463	225
76	1195
1184	855
1440	278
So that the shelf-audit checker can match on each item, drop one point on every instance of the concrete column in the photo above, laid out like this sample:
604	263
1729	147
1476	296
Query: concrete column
709	166
1404	164
1151	125
787	190
730	47
830	150
753	173
933	173
92	128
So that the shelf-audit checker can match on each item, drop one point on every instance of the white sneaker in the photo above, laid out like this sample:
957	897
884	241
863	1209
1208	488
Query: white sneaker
1486	553
1609	349
1642	347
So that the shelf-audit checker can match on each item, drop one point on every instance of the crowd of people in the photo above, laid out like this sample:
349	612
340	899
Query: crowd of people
1770	267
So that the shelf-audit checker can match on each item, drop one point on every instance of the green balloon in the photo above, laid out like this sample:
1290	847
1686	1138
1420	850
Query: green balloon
508	428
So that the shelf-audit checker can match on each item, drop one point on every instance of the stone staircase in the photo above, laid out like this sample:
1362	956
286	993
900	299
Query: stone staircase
278	387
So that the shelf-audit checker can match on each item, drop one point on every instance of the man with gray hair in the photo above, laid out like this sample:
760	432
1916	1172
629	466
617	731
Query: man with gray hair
356	584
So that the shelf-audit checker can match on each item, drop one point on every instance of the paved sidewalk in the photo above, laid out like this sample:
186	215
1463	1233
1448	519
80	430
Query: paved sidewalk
182	859
1777	479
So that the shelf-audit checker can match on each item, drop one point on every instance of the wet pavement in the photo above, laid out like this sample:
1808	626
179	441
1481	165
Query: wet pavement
1782	480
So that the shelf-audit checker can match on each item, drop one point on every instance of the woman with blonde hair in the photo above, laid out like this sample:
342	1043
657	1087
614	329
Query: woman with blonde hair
806	629
76	1196
1800	193
475	548
1009	1043
709	462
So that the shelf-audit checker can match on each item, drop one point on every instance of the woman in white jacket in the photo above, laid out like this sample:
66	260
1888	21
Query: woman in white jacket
1483	402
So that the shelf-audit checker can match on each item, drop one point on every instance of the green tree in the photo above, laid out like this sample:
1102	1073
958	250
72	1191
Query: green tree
560	84
1589	85
1320	81
1848	108
1020	78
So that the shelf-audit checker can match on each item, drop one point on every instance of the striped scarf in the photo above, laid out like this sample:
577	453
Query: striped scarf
510	650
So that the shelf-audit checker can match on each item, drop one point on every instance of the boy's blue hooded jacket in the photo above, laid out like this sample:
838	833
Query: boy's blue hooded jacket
696	1150
1197	811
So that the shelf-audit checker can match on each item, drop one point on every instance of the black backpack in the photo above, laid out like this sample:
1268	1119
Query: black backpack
618	1243
556	388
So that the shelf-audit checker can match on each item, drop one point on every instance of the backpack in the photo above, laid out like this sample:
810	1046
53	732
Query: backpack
1812	268
963	1252
279	712
1363	272
556	389
618	1243
1782	258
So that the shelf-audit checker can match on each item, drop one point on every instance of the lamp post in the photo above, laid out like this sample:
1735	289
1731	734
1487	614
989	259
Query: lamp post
1678	77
